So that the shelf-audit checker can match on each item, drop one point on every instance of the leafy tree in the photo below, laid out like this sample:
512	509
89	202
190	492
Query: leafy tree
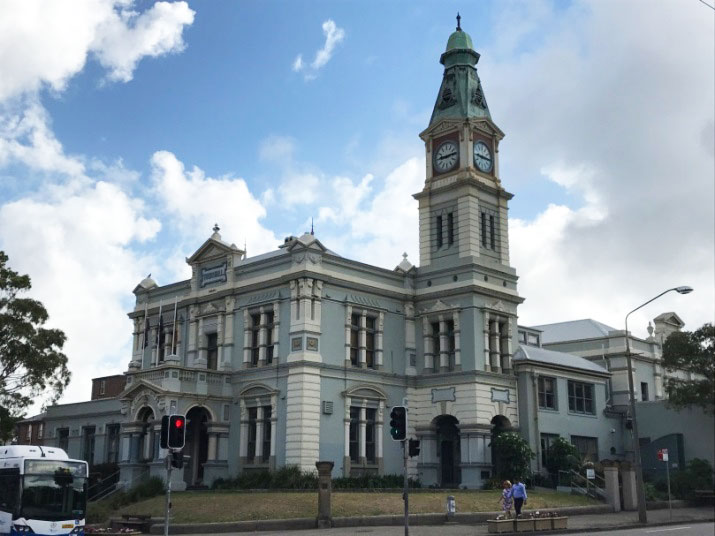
562	456
7	424
31	361
512	456
691	352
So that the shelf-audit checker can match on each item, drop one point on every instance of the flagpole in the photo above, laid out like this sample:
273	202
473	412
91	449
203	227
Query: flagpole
173	329
158	336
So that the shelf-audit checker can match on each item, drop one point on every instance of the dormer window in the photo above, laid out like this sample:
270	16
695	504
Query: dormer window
212	351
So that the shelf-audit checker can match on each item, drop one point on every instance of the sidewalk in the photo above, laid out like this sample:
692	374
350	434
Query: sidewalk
467	524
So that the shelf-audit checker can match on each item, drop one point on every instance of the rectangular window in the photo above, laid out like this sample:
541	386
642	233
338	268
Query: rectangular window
102	387
547	392
370	341
644	391
450	229
546	441
255	332
587	447
354	434
484	229
28	436
581	398
212	351
9	491
492	230
252	418
522	337
533	339
269	337
63	438
112	443
370	435
354	339
40	430
88	444
435	344
439	231
266	450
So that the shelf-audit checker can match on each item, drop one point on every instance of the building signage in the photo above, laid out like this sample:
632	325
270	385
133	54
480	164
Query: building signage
591	474
500	395
214	274
663	455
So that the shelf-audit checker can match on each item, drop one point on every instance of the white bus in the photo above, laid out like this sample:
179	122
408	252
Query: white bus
42	491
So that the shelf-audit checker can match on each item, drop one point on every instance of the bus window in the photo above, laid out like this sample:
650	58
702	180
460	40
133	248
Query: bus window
9	490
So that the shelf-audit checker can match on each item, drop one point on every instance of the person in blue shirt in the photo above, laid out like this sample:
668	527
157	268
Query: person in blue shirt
518	493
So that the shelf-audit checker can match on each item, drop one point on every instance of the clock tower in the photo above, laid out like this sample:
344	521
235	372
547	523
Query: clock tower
463	206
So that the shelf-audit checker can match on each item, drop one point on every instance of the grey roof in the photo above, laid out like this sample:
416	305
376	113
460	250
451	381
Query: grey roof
541	355
573	330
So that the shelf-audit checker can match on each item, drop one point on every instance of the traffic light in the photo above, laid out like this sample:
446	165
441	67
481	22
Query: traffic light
414	448
398	423
177	459
177	432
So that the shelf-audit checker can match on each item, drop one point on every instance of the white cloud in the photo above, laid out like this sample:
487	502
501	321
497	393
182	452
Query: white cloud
334	35
277	149
77	245
194	202
299	189
615	114
298	63
46	43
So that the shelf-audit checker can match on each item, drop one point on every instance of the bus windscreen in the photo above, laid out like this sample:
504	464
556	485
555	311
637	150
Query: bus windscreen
55	467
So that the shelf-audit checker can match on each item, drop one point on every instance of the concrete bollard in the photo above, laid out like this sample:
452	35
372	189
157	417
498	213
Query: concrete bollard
325	488
451	507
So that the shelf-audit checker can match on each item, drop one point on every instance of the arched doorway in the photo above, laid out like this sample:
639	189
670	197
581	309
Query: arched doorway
449	451
197	445
145	447
500	424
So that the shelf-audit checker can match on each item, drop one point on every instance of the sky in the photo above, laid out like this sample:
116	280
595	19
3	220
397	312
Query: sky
129	128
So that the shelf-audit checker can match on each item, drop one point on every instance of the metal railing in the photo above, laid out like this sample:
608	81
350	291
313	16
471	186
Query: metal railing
595	488
110	489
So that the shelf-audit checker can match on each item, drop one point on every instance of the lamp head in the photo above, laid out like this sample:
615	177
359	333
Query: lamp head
683	290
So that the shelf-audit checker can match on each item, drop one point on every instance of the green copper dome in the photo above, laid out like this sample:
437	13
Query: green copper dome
459	39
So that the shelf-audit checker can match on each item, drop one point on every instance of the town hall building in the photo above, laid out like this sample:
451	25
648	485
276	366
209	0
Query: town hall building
298	354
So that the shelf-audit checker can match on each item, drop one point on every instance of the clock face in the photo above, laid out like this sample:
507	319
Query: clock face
446	156
482	157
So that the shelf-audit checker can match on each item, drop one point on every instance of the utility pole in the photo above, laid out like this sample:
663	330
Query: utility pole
405	493
168	493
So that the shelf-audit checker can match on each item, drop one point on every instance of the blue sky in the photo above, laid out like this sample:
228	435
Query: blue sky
127	129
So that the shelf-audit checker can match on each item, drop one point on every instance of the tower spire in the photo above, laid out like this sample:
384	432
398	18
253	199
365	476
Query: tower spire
459	25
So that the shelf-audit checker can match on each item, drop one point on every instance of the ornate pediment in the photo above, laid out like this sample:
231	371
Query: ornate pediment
438	307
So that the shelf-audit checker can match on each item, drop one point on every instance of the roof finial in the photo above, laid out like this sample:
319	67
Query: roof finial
216	228
459	25
311	227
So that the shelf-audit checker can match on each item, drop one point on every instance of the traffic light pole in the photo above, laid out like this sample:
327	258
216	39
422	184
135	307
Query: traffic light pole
405	494
168	493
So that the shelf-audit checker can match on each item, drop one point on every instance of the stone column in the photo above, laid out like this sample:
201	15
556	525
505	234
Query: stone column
212	447
487	356
494	353
378	339
610	473
246	338
276	327
410	340
243	445
630	496
346	455
362	435
348	323
325	488
362	340
259	436
262	338
427	344
380	430
457	341
443	345
227	350
191	346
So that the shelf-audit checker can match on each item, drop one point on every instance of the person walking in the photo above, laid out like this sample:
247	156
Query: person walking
505	499
518	492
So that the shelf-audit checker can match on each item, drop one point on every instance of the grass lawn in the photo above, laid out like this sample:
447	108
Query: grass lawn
208	506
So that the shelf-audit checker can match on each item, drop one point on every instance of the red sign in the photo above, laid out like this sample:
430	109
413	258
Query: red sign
663	455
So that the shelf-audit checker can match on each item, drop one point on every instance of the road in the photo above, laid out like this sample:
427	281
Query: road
686	529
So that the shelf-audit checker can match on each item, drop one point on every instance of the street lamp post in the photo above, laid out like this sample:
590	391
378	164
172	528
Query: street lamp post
640	489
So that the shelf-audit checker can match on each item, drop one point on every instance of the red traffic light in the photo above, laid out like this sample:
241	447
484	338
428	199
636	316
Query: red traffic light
179	423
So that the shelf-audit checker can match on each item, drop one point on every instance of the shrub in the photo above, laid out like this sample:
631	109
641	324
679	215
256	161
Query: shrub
368	481
561	456
512	456
698	474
